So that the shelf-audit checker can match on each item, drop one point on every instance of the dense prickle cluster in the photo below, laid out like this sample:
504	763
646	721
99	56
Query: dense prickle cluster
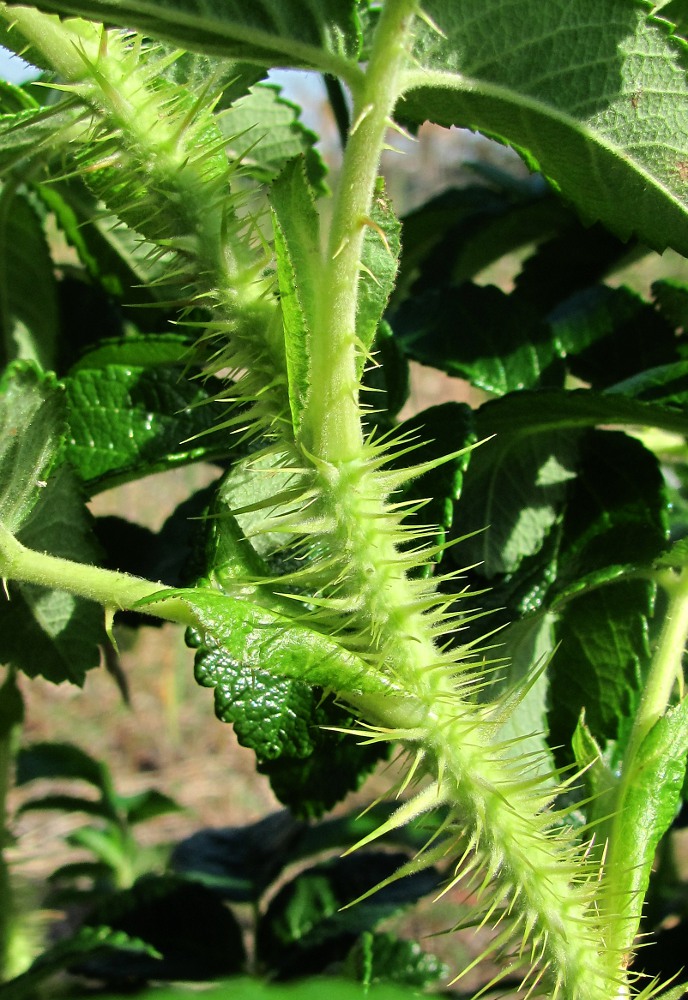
156	158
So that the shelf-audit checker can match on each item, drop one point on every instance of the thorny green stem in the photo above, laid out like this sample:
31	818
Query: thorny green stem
620	906
332	426
118	591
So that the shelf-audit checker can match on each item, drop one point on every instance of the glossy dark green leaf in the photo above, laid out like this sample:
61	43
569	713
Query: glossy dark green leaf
137	351
130	420
601	661
609	131
305	928
609	334
264	131
616	511
28	299
284	721
497	342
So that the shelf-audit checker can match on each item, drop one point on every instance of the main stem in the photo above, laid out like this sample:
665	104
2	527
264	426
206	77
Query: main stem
331	424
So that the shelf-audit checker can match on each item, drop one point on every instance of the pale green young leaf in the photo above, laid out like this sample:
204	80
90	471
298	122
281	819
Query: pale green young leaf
314	34
264	131
652	799
262	639
297	248
32	427
28	132
381	248
592	93
28	293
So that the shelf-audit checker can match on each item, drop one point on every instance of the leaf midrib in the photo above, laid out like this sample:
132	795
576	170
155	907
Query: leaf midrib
422	78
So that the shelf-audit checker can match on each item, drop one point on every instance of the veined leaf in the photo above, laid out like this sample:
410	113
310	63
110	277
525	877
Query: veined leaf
602	661
653	798
297	247
52	632
592	93
27	132
381	248
32	426
263	129
318	34
127	420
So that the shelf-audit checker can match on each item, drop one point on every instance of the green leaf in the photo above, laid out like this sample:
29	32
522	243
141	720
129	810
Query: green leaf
67	804
536	412
51	632
461	231
296	228
264	131
68	952
608	131
385	386
381	248
32	131
443	429
32	424
385	958
305	928
264	640
147	805
128	420
516	486
240	862
137	351
59	760
601	661
195	936
653	799
318	34
616	510
600	779
497	342
112	254
28	299
609	334
285	722
672	299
